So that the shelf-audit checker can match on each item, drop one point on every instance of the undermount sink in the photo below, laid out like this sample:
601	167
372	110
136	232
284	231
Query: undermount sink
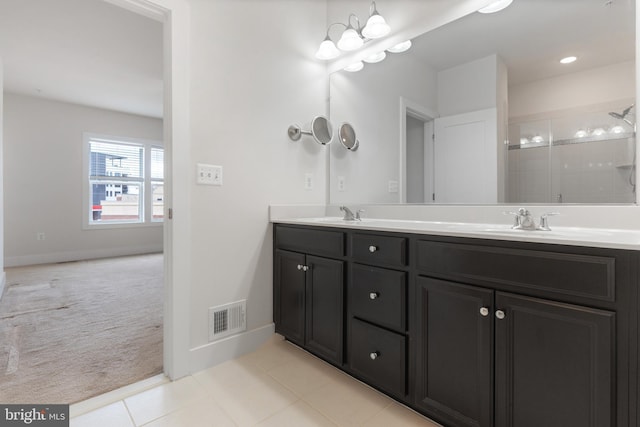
566	232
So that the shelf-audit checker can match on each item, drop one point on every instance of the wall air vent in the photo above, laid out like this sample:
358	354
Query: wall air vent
228	319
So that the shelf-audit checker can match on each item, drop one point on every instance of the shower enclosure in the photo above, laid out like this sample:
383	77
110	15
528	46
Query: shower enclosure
575	157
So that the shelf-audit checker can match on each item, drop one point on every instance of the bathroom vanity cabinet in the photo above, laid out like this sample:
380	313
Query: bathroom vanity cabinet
468	331
309	290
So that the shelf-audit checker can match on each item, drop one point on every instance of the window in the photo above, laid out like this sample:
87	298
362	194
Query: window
124	181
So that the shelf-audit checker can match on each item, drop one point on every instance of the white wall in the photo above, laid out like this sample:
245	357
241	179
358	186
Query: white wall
468	87
253	73
596	86
370	101
43	182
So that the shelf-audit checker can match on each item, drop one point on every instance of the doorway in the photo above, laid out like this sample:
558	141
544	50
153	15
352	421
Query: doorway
167	263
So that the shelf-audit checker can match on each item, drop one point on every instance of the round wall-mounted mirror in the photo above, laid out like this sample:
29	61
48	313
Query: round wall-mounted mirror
348	137
322	130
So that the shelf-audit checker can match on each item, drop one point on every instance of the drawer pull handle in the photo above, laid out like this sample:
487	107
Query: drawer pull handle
373	295
374	355
372	248
500	314
484	311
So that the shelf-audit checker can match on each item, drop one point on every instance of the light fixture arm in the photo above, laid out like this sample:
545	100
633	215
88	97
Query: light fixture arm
329	29
357	28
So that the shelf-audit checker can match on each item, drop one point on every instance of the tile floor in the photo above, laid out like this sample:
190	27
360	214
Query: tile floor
278	385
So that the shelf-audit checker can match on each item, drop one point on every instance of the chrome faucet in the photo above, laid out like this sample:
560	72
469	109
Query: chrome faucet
524	220
349	215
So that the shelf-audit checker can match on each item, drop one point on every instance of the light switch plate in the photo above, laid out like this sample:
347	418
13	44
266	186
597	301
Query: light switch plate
209	174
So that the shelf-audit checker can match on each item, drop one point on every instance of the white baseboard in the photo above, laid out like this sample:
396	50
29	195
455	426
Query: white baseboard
217	352
54	257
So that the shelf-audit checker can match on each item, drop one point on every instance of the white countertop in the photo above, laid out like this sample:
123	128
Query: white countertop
575	236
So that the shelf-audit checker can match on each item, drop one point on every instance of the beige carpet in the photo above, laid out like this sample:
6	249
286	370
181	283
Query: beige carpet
75	330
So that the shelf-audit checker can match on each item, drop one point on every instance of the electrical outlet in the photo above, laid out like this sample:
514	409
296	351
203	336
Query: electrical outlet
209	174
341	185
308	181
40	235
393	186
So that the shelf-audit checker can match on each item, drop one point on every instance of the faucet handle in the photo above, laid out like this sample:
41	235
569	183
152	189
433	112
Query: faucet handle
358	216
544	220
516	218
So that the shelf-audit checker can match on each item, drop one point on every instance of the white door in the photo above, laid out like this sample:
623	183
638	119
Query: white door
465	158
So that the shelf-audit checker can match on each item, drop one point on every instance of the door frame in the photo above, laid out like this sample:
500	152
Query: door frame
174	15
418	111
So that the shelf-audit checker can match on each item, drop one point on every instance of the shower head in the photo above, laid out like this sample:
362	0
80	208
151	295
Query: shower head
622	115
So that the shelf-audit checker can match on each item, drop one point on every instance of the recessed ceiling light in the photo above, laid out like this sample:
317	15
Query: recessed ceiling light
495	6
568	60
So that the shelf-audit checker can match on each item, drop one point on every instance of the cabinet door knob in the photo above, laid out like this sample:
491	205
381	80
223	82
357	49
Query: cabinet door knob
299	266
305	268
372	248
484	311
373	295
374	355
500	314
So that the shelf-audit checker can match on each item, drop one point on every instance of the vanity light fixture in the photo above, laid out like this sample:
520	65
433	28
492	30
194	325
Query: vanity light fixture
581	133
524	141
354	37
568	60
495	6
598	132
400	47
537	139
356	66
617	129
376	57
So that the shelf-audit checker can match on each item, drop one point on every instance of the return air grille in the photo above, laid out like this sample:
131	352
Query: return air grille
228	319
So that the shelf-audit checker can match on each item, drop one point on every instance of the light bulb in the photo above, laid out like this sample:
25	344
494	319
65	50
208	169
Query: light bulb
376	57
495	6
617	129
327	50
524	141
376	27
599	132
356	66
581	133
400	47
537	139
350	40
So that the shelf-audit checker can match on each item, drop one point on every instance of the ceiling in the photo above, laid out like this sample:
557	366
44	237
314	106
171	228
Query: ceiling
531	36
87	52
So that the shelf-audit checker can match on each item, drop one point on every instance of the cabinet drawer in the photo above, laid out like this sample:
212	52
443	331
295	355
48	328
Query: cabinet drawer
378	295
310	241
375	249
586	276
378	356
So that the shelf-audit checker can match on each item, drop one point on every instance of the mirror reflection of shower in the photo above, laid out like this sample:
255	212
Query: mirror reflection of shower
623	116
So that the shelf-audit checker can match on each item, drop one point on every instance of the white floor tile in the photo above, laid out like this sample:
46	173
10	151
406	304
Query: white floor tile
203	413
300	414
347	402
398	415
257	401
157	402
115	414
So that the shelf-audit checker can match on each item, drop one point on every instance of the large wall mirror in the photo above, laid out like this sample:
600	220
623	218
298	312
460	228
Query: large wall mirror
481	110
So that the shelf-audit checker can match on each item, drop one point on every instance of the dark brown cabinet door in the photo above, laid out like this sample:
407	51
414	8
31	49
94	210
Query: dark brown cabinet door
324	307
289	295
554	364
454	352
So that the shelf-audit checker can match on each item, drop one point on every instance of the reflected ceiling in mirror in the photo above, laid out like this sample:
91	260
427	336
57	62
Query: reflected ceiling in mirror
453	70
